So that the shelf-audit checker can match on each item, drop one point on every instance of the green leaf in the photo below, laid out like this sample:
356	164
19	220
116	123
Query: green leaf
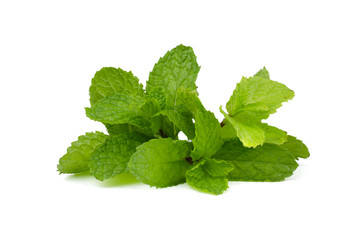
259	95
158	94
78	154
189	100
110	158
161	162
162	126
208	136
182	121
273	134
209	175
109	81
178	68
254	135
118	109
116	129
150	108
269	162
250	133
254	99
296	147
263	73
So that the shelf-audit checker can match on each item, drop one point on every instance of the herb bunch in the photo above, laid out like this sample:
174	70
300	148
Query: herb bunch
143	128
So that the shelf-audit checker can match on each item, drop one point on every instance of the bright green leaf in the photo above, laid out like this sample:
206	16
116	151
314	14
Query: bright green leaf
162	126
209	175
109	81
161	162
110	158
250	133
189	100
116	129
78	154
208	136
158	94
118	109
254	99
263	73
150	108
259	95
178	68
296	147
269	162
273	134
182	120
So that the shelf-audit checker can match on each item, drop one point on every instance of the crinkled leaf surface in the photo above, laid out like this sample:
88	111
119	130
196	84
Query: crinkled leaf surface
189	100
181	119
78	154
209	175
116	129
260	95
110	158
250	133
109	81
163	127
119	108
161	162
269	134
178	68
158	94
269	162
254	99
150	108
263	73
208	136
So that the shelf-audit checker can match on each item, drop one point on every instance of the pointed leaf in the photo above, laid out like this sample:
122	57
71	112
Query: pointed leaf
178	68
78	154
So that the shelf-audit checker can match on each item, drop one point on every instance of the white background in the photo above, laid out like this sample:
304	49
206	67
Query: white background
50	50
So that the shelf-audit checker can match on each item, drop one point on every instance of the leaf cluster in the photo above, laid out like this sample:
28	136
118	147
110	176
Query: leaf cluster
143	128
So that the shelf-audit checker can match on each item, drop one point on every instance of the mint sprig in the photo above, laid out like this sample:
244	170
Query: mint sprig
143	128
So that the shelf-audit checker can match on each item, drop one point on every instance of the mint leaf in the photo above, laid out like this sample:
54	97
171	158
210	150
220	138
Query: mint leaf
150	108
296	147
269	162
178	68
259	96
158	94
263	73
181	119
208	136
209	175
270	134
143	129
78	154
254	99
116	129
110	158
118	109
189	100
109	81
161	162
273	134
249	132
